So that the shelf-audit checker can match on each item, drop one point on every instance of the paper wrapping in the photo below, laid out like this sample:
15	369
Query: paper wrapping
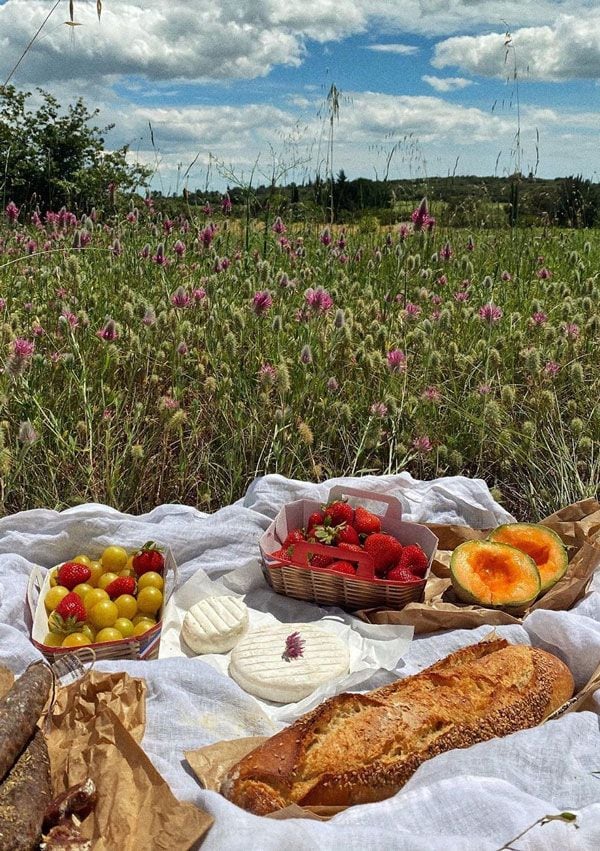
577	525
94	731
6	680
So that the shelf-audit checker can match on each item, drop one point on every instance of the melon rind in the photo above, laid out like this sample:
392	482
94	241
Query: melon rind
519	535
471	587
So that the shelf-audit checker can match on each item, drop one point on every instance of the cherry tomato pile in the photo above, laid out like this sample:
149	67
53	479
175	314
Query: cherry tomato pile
92	601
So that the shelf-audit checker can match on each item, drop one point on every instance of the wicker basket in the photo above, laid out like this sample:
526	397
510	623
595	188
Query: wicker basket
328	587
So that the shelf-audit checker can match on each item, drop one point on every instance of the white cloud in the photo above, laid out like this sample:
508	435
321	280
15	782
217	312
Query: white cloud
446	84
401	49
567	50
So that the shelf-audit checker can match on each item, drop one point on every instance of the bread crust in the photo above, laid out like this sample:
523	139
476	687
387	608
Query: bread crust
360	748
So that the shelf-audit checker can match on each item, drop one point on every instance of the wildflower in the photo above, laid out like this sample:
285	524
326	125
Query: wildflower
168	403
179	248
571	330
145	252
116	249
539	317
226	205
168	226
267	373
305	433
70	318
332	385
422	444
341	242
262	302
306	355
318	300
431	394
470	244
442	280
551	368
27	433
31	246
2	304
278	226
149	317
436	299
396	360
199	294
544	274
37	330
403	231
490	313
412	310
207	235
461	296
446	251
132	217
159	258
421	219
23	348
340	319
12	211
180	298
484	389
207	209
326	237
505	276
182	348
109	331
379	409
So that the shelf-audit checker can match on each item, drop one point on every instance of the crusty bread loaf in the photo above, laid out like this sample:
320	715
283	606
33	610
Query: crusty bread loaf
359	748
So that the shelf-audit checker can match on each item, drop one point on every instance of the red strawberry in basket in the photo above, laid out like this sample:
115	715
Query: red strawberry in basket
318	560
71	573
414	559
293	537
339	512
68	616
347	535
385	551
148	558
353	548
402	574
317	518
283	554
122	585
343	567
365	522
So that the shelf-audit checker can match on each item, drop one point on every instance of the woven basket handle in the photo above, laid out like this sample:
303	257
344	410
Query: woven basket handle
394	506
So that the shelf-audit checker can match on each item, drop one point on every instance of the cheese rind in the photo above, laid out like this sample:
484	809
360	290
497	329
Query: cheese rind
215	624
258	666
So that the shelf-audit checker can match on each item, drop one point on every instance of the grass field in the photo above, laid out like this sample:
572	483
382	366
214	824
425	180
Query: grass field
148	360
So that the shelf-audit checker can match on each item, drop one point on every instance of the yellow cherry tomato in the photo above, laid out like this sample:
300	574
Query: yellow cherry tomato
82	589
108	634
142	626
141	617
106	579
54	596
129	563
82	560
76	639
124	626
96	571
151	580
103	614
52	639
127	606
114	558
149	600
86	629
54	578
127	571
96	595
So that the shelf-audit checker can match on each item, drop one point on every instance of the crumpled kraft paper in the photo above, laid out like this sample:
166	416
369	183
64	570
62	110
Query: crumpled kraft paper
94	731
577	525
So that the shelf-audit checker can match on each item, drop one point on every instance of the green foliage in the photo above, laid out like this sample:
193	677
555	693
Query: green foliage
54	157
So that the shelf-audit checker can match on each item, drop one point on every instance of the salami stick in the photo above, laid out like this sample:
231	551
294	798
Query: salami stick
20	709
24	796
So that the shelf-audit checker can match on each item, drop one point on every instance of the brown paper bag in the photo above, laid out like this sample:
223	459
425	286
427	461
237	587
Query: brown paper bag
93	731
577	525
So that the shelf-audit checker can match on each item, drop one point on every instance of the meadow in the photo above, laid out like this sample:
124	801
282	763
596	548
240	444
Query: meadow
148	359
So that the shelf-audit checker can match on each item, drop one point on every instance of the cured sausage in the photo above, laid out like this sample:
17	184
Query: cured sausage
24	796
20	709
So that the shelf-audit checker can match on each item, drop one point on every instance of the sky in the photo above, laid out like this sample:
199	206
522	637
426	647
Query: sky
233	91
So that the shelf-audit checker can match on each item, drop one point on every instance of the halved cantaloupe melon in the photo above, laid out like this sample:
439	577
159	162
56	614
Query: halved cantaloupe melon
541	544
493	574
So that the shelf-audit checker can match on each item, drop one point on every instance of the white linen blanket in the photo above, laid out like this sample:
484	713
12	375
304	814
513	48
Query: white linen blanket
476	799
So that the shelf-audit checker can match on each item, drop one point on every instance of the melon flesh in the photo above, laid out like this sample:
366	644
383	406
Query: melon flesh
541	544
493	574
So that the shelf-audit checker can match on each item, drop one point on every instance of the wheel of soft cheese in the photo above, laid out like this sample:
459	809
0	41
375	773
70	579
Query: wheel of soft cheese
286	662
215	624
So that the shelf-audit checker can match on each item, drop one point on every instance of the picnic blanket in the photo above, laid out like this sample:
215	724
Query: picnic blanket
476	799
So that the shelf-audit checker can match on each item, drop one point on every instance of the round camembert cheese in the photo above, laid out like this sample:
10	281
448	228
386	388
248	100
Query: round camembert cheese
215	624
286	662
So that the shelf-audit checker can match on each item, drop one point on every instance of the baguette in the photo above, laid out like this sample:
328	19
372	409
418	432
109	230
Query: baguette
360	748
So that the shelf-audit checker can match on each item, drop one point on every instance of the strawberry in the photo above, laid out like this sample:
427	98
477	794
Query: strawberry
294	537
316	519
122	585
343	567
385	551
414	559
365	522
402	574
69	616
353	548
71	573
283	554
339	512
347	535
324	534
148	558
318	560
